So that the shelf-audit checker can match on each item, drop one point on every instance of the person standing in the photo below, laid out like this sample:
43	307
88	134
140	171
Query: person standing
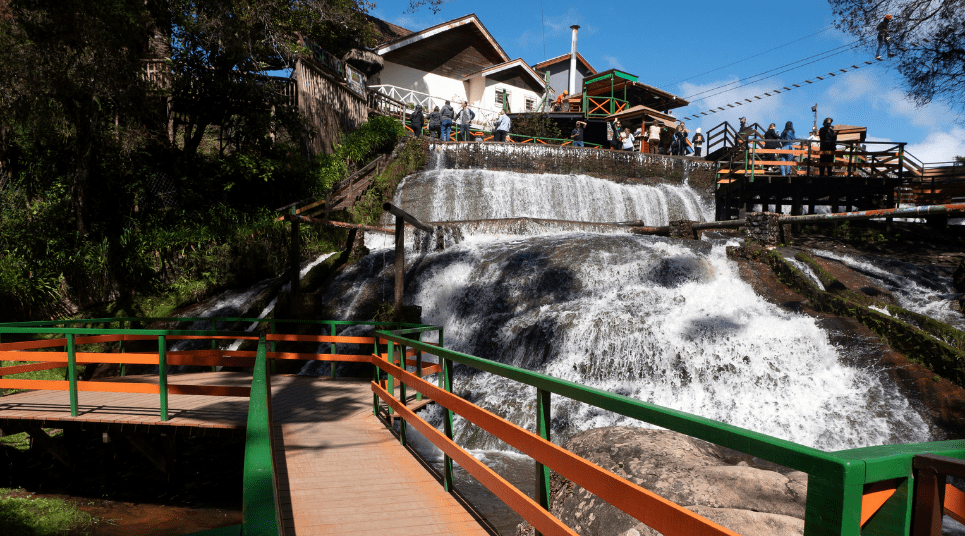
884	37
615	142
627	140
577	134
787	136
560	100
829	139
653	137
772	143
503	124
684	139
465	118
698	143
447	115
417	120
435	123
666	139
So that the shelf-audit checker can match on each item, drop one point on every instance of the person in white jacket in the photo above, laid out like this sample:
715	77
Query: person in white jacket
503	124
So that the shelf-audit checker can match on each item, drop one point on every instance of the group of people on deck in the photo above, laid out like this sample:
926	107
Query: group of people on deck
826	139
441	122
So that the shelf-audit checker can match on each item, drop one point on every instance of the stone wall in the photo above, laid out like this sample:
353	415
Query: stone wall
613	165
763	227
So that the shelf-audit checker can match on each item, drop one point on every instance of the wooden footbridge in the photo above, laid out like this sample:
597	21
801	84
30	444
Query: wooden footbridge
323	456
856	176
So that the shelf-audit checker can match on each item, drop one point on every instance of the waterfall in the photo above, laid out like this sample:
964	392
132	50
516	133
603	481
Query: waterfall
450	195
663	321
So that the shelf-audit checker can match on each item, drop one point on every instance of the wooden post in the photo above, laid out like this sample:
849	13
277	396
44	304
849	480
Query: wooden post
399	263
294	256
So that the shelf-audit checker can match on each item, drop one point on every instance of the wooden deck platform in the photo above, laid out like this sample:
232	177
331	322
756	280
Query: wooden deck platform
341	471
195	414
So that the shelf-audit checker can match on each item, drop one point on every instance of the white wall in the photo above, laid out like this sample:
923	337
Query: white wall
438	86
517	96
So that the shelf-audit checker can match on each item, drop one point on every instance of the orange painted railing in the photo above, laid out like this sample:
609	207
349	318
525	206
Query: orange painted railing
657	512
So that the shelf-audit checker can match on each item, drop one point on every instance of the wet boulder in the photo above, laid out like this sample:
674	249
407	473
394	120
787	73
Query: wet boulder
744	494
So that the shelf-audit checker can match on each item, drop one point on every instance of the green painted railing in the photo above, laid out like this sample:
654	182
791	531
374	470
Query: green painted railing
836	480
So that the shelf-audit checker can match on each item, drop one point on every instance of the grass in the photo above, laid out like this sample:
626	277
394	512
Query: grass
22	514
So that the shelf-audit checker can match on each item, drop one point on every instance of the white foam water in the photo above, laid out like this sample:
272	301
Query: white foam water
460	195
666	322
927	290
658	321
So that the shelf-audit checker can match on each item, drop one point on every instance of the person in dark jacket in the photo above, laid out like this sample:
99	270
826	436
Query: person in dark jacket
435	123
447	114
772	142
615	142
577	134
884	37
666	137
829	139
787	135
417	119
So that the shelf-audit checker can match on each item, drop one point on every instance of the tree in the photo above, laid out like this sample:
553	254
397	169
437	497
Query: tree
66	68
222	50
928	37
536	124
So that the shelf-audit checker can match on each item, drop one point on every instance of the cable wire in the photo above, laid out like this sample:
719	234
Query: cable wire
766	77
747	79
752	57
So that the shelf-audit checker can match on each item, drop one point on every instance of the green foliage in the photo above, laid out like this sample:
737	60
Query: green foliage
22	514
537	124
376	136
411	158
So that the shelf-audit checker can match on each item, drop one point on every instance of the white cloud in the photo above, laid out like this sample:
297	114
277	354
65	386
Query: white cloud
939	146
613	63
856	91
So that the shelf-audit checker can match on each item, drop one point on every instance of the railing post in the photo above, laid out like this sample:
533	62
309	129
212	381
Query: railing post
376	375
402	396
72	373
834	500
162	361
391	382
543	430
418	366
332	350
447	421
120	348
214	346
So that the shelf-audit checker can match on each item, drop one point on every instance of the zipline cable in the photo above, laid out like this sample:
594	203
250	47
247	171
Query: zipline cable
771	93
751	57
746	80
751	82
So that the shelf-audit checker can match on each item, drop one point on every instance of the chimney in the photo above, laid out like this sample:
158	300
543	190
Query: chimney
575	28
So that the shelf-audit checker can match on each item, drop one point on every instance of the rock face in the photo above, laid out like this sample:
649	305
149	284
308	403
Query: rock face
717	483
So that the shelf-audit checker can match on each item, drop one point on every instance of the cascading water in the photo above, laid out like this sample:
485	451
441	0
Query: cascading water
925	290
667	322
447	195
662	321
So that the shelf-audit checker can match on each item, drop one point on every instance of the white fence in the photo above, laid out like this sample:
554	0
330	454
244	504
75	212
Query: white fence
484	119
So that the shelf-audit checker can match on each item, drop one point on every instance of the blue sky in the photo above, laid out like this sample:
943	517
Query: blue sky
672	45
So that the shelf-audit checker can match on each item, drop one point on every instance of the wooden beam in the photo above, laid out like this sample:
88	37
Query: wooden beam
40	438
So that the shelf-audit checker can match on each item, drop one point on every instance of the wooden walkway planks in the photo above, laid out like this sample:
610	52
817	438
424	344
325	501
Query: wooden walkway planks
195	411
342	472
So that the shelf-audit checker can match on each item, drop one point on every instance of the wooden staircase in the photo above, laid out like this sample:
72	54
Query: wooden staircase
341	196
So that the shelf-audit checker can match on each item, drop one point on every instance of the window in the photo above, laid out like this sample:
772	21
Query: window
502	98
530	105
